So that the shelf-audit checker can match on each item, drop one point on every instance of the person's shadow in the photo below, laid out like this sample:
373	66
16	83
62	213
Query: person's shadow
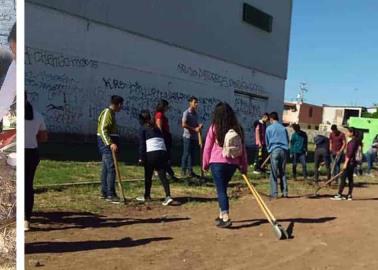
52	221
61	247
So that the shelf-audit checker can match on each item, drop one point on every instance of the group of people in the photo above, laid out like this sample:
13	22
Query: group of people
341	151
155	143
223	153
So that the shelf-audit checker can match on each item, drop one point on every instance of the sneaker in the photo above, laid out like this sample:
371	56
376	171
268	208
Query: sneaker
338	197
217	221
143	199
113	199
26	226
167	201
256	172
224	224
349	198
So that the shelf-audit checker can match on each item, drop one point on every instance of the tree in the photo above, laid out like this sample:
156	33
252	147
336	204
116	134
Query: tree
371	115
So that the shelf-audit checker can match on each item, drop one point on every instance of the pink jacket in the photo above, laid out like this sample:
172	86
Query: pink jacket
212	153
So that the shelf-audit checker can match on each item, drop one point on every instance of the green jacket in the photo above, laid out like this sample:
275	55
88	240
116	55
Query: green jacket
106	126
298	143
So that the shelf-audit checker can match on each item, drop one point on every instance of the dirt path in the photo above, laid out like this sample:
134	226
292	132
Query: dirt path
327	235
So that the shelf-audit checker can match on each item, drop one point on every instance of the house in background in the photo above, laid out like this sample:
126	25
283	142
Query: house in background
308	116
339	115
372	109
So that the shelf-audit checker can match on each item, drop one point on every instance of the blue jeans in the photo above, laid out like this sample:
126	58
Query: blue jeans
222	174
108	169
338	161
301	157
370	158
278	164
188	155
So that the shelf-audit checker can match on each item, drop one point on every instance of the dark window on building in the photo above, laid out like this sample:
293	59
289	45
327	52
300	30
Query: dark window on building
317	127
309	126
310	112
257	18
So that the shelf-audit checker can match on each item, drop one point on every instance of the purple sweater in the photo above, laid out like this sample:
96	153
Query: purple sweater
212	153
351	150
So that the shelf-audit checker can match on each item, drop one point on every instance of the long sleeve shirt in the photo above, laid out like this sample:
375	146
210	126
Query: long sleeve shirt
107	126
212	153
298	143
276	137
150	139
351	150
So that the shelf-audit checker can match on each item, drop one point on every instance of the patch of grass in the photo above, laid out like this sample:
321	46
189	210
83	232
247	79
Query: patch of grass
59	167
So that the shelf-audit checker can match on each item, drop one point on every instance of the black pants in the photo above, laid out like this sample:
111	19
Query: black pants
322	154
31	163
260	157
348	173
169	164
156	160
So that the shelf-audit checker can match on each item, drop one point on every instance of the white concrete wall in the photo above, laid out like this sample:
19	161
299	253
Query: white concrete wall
7	19
74	65
212	27
371	110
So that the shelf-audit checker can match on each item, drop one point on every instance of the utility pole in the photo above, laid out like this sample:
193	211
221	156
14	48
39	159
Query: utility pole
302	90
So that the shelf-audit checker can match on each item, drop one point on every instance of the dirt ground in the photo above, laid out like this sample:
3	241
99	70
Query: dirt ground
7	215
326	235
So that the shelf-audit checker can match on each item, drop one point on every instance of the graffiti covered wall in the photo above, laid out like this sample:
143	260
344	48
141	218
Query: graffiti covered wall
70	78
7	19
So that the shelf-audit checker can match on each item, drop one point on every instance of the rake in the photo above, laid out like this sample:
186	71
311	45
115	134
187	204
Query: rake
278	230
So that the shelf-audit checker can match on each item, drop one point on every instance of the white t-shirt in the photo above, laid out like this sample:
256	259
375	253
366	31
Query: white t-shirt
32	127
8	90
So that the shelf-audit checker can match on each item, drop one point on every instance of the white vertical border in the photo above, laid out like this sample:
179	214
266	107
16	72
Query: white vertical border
20	13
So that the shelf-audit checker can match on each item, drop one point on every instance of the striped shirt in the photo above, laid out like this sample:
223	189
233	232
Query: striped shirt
106	126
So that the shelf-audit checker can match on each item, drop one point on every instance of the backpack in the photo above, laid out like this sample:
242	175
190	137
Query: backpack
232	146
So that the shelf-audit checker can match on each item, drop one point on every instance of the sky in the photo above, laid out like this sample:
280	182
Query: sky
334	49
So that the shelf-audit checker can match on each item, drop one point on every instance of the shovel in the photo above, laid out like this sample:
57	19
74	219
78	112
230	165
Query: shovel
265	162
328	182
278	230
118	174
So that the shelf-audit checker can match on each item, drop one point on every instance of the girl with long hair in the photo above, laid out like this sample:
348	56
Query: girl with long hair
153	156
349	165
161	121
223	167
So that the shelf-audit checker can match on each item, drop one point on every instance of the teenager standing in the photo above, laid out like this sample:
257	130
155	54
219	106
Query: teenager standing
298	150
220	160
277	141
337	145
322	153
260	130
108	141
35	133
371	155
153	155
162	123
349	166
191	128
